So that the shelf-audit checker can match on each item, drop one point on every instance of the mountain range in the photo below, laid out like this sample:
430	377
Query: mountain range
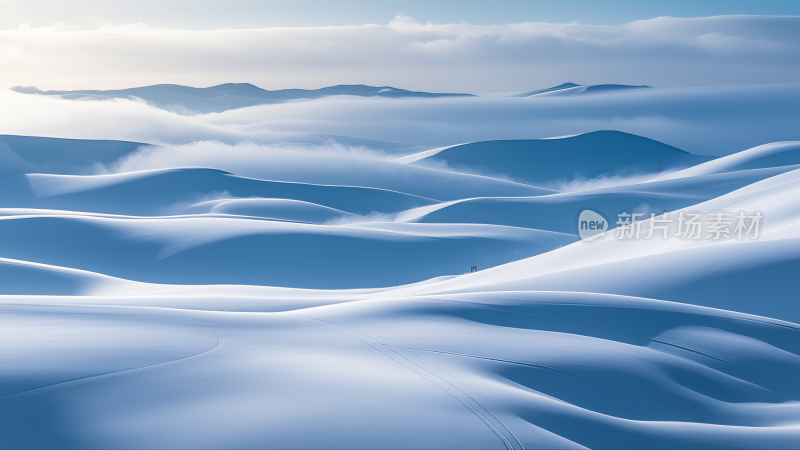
228	96
224	97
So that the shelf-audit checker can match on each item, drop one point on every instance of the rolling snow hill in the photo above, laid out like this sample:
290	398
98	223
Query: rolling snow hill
419	302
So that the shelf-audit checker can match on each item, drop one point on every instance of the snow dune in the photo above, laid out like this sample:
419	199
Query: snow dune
158	192
746	275
588	156
203	307
573	89
768	155
248	250
558	212
275	208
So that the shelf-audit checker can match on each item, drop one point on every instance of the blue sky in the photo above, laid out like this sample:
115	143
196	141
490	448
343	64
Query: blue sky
205	14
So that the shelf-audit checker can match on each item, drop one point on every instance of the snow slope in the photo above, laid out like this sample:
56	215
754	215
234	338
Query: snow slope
768	155
23	154
251	250
173	190
572	89
191	306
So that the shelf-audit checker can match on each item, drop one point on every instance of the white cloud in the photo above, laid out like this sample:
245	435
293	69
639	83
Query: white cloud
456	57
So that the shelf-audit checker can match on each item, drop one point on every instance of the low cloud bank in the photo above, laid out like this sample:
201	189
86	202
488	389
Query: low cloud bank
247	158
714	121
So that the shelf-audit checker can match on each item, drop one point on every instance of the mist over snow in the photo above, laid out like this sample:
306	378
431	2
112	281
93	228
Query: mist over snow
370	259
712	121
271	162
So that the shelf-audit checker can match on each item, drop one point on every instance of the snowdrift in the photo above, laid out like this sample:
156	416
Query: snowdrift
411	307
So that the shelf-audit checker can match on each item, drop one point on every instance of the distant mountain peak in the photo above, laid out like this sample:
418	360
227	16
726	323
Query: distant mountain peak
238	86
566	85
27	90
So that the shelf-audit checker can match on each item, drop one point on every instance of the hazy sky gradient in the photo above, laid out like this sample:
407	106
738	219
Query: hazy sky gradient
447	46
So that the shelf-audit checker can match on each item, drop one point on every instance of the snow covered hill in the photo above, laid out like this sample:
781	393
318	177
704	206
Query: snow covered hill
442	299
541	161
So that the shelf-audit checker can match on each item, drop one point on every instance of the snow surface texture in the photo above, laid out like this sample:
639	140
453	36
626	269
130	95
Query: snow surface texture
324	300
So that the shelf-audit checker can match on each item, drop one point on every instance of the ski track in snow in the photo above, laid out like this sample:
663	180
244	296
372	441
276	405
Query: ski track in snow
435	377
120	372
